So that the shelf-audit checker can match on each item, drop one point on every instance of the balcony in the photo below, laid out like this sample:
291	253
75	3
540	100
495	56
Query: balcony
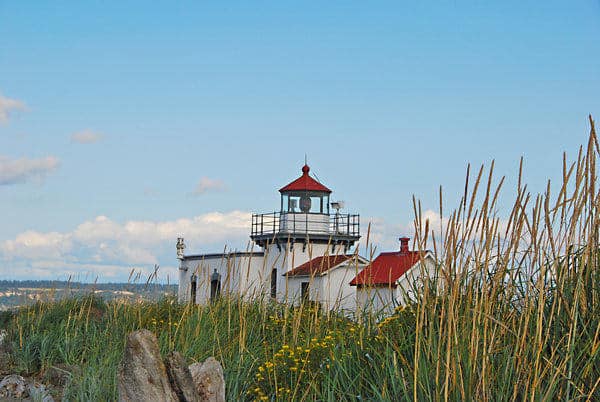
335	227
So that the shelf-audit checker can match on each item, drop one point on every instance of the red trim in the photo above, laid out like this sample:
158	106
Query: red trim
305	183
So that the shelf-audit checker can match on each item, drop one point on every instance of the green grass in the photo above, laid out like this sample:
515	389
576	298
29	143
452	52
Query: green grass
514	314
90	333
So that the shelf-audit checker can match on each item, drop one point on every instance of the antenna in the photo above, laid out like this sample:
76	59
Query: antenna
337	205
305	159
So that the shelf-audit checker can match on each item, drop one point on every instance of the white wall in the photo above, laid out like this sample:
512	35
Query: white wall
183	290
376	300
240	274
336	292
294	288
288	258
411	283
299	223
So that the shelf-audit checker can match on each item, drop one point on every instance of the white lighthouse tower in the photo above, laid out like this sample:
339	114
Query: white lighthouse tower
302	231
303	256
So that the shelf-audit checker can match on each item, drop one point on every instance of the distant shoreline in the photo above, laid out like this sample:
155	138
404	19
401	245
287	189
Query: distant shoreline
99	285
19	293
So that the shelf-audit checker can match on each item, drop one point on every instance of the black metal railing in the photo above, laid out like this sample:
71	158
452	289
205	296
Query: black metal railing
307	224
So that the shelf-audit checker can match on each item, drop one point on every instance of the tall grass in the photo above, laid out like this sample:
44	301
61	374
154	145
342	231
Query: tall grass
513	314
519	314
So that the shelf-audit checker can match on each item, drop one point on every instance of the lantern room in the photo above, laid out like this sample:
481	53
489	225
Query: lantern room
305	215
305	195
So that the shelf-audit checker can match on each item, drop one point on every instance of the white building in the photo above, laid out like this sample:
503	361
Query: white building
304	231
393	278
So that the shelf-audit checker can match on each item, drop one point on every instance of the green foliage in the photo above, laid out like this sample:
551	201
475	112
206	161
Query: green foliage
5	318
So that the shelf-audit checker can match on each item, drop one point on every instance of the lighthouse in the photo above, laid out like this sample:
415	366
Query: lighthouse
305	254
305	228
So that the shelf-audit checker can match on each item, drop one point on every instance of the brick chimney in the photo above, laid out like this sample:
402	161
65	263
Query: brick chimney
404	245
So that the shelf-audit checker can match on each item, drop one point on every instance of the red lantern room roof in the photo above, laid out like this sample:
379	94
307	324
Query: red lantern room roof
305	183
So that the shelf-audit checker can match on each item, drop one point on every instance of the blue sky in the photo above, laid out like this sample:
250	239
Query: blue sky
123	124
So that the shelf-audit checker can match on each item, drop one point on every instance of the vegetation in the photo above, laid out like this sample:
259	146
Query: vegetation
514	314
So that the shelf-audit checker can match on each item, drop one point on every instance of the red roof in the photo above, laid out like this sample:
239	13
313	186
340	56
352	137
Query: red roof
305	183
318	265
387	268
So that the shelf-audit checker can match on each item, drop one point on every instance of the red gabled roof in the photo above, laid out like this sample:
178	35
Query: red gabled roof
305	183
387	268
318	265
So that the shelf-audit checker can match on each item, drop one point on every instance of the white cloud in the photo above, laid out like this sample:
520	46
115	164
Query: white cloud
206	184
7	106
86	137
21	170
108	249
32	244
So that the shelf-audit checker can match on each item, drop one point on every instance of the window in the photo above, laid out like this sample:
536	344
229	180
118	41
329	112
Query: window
215	286
304	291
193	288
310	202
274	283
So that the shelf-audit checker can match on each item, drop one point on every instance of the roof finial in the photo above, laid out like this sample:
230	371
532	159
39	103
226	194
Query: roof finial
305	168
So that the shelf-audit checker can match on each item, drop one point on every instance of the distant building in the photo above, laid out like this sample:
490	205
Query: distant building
393	278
